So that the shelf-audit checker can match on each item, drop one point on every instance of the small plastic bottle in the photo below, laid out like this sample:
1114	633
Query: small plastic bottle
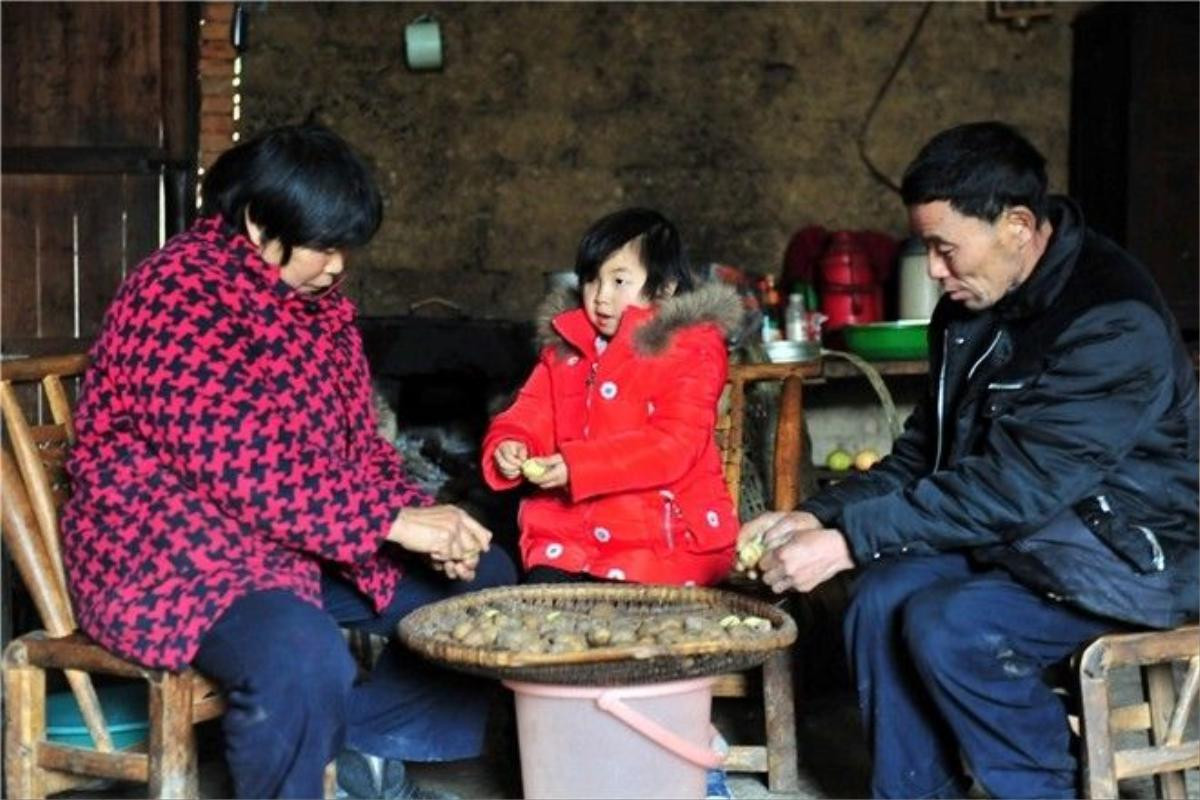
796	316
771	311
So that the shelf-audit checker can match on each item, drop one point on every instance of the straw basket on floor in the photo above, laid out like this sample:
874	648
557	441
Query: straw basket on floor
630	720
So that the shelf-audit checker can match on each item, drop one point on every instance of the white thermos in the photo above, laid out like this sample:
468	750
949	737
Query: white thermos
918	292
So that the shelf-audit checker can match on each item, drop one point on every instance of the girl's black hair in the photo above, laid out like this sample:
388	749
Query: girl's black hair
302	184
658	241
980	169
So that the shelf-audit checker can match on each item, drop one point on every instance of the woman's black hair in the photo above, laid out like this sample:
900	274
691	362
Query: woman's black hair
302	184
980	168
658	242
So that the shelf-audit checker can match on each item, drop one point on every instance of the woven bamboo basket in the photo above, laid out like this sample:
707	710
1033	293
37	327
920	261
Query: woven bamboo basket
424	632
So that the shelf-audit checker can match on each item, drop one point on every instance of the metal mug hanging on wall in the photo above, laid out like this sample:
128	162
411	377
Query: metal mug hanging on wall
423	44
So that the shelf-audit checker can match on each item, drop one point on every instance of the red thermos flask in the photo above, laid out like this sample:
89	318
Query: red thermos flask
850	291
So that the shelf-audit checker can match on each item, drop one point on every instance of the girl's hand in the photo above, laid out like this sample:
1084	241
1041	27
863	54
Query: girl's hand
509	455
547	472
447	533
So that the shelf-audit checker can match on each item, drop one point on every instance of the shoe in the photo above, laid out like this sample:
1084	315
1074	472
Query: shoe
362	776
715	786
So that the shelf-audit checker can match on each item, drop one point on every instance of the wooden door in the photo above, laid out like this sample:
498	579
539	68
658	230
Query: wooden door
1135	121
98	159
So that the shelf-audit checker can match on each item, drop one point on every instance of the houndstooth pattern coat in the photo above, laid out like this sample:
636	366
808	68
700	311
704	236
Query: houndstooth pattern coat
225	444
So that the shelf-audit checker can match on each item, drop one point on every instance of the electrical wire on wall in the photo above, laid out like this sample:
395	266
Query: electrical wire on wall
876	173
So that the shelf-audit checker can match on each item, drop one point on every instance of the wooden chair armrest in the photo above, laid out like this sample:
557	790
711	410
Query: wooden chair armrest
74	651
1149	647
77	651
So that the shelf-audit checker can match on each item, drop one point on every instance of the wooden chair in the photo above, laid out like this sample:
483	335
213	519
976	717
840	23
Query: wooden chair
34	485
1163	713
779	757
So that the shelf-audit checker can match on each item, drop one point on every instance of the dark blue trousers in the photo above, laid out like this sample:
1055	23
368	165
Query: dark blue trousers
948	661
292	701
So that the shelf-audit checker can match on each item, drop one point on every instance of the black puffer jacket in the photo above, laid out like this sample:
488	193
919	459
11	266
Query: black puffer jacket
1072	395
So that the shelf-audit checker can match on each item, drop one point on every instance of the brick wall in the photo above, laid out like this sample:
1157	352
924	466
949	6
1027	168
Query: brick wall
218	128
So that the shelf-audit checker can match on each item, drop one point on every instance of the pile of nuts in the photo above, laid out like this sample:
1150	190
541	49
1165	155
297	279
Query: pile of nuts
531	628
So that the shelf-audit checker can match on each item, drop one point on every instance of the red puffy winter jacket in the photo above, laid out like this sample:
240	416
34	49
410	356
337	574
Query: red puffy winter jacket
646	500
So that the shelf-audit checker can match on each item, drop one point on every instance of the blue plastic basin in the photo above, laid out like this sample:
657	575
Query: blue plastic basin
125	710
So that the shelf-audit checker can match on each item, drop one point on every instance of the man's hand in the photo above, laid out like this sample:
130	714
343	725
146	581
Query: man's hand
806	559
550	473
766	531
775	526
509	455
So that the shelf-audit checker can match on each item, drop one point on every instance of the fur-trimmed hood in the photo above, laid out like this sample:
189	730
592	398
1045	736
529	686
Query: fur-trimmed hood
717	303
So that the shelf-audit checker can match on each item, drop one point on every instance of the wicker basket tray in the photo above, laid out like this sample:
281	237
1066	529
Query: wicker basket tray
601	666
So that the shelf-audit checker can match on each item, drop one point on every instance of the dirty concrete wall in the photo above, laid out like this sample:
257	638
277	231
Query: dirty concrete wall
737	120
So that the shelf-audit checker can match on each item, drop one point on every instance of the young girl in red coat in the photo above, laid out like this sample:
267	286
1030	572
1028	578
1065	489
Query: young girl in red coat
615	425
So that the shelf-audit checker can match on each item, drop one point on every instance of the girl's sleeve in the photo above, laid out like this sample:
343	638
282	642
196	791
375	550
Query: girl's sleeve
215	427
530	419
691	378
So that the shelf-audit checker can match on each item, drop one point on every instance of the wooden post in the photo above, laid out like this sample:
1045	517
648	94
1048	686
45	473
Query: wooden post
172	747
24	725
330	780
1159	683
733	443
779	707
1100	779
789	444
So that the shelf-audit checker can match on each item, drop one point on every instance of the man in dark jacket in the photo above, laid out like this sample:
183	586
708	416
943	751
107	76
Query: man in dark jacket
1043	492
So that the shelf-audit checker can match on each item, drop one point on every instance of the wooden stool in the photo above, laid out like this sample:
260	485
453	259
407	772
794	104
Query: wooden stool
779	758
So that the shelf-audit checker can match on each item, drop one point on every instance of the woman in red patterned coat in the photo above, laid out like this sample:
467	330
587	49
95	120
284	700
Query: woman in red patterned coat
232	501
615	425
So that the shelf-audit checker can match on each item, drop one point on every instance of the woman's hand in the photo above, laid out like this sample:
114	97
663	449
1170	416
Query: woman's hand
446	533
463	570
547	472
510	455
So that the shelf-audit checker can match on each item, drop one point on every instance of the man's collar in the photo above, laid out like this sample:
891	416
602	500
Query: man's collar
1050	273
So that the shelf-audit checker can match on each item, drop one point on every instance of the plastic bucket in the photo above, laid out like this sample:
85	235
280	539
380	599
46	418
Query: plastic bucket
615	741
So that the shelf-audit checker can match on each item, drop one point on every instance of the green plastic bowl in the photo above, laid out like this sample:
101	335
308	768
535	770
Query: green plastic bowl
889	341
125	710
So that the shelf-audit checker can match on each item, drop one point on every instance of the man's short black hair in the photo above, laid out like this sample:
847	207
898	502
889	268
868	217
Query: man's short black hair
658	242
980	168
302	184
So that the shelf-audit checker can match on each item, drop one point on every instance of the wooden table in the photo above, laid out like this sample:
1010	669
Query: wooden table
789	432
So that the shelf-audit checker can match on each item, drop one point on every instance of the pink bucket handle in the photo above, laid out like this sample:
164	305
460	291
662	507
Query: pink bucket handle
610	701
